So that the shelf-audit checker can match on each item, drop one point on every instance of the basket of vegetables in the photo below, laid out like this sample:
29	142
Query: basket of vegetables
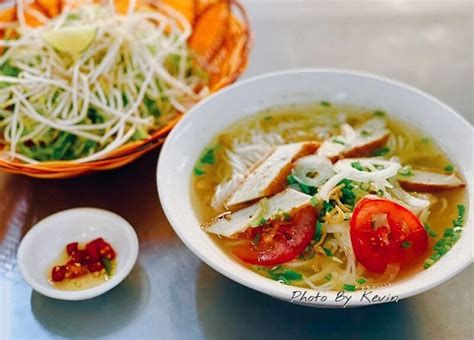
93	85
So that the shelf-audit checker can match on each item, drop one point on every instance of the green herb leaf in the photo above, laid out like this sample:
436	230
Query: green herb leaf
380	193
256	239
280	273
425	140
349	288
319	231
107	265
381	151
449	168
325	104
328	277
361	280
405	244
208	157
291	180
357	166
328	252
267	117
407	170
314	201
379	113
198	172
338	141
151	106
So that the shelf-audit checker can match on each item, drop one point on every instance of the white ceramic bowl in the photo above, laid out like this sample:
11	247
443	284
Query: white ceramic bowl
42	245
212	115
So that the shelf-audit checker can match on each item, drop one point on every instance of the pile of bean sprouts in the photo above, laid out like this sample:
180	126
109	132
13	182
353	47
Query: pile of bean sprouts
136	75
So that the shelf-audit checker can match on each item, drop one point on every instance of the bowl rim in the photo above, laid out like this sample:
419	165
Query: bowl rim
126	231
273	288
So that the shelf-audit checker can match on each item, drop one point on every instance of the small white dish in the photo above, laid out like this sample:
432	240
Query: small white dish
197	128
42	245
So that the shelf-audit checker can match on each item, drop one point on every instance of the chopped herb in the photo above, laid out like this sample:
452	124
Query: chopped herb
430	231
208	157
381	151
319	231
280	273
379	113
107	265
325	103
327	207
425	140
151	106
364	186
8	70
338	141
260	222
314	201
198	172
291	180
449	168
257	238
449	238
407	170
357	166
307	189
267	117
361	280
349	288
328	252
380	193
348	197
365	133
328	277
406	244
286	216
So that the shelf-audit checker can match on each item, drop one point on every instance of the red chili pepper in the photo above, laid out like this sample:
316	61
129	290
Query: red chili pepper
58	273
95	267
72	248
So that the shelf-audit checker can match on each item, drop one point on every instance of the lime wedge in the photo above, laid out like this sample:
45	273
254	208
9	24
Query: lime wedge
71	39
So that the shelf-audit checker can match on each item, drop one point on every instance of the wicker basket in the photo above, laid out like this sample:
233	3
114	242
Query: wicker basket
220	37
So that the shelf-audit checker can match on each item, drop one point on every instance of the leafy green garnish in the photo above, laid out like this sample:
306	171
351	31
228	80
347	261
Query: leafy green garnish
349	288
328	277
338	141
319	231
267	117
407	170
7	70
284	275
152	107
449	168
327	207
405	244
328	252
257	238
198	172
425	140
314	201
361	280
357	166
365	133
107	265
325	103
208	157
379	113
348	197
381	151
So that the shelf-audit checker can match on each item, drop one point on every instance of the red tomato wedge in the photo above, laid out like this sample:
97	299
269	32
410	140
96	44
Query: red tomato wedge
278	241
384	232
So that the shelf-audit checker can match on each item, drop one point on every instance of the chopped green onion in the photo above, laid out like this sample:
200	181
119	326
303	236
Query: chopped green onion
428	263
256	239
379	113
314	201
357	166
325	103
365	133
107	265
198	172
407	170
449	168
328	277
380	193
319	231
349	288
208	157
361	280
328	252
338	141
406	244
291	180
267	117
425	140
381	151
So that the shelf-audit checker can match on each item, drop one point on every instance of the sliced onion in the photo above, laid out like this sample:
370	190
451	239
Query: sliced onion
313	170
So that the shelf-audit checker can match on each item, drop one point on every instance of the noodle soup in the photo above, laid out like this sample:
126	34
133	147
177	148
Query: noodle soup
328	197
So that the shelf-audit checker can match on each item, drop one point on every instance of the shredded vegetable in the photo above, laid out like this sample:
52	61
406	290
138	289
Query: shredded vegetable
135	76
